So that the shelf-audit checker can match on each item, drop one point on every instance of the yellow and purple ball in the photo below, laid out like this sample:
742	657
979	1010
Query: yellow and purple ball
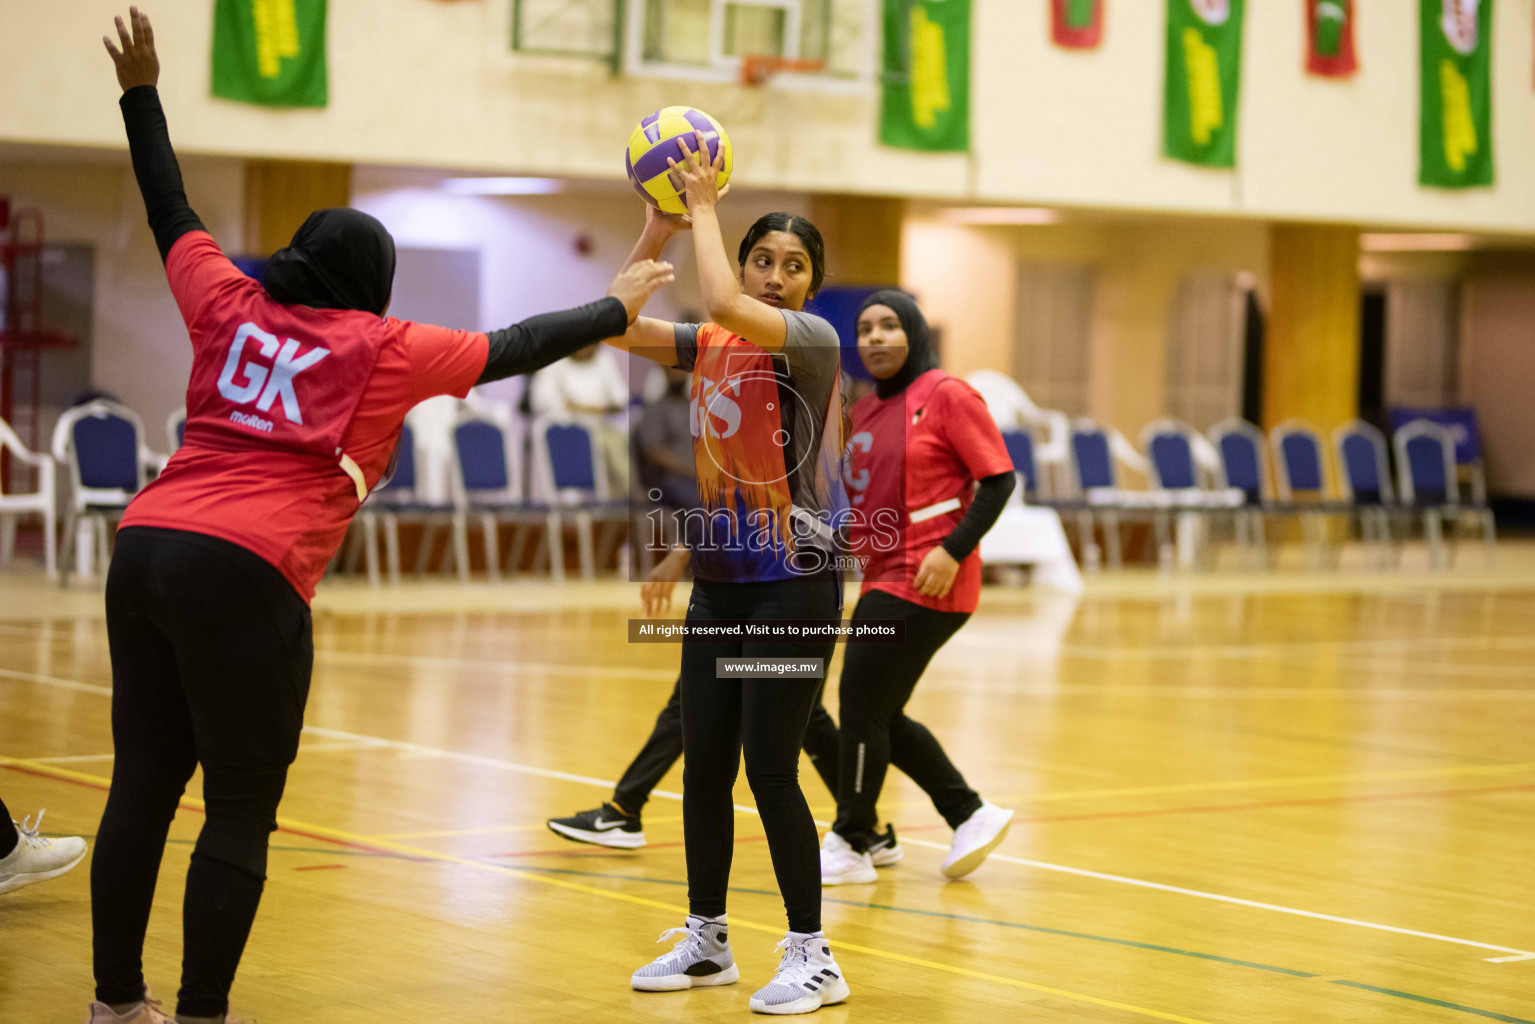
654	141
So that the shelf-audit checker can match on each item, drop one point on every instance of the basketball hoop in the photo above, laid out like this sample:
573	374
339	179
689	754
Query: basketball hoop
758	68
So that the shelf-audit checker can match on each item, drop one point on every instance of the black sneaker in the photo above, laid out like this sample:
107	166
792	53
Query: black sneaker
885	850
605	826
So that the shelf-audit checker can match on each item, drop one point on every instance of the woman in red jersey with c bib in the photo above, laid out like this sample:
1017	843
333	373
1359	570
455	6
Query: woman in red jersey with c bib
920	445
298	390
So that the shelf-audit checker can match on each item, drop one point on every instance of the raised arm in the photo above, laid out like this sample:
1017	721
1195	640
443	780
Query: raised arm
540	340
737	312
647	336
149	141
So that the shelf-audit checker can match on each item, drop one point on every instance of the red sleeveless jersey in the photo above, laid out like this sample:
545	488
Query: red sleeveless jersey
292	412
912	461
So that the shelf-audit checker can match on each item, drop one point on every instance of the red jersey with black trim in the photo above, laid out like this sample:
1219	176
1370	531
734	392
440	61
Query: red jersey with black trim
912	462
292	412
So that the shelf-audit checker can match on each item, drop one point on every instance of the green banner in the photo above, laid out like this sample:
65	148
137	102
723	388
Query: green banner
1455	128
270	52
926	100
1204	79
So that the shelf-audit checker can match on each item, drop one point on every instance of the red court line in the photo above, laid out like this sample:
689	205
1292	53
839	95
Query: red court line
1317	802
604	850
319	867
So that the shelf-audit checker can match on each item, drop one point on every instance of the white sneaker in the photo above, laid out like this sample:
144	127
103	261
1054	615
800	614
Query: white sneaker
700	958
842	865
147	1012
36	858
807	979
975	839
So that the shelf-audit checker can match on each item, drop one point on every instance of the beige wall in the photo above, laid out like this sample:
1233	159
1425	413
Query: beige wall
965	278
435	84
1497	364
140	348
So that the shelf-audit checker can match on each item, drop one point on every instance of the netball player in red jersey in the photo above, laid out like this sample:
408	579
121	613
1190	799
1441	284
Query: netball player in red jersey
767	424
921	442
299	387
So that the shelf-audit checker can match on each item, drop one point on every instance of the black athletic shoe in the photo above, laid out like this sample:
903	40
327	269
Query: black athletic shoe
885	850
605	826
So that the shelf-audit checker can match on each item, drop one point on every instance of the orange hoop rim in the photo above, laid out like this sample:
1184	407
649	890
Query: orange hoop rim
757	68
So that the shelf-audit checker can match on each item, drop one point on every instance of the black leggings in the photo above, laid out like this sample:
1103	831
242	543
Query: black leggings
877	681
8	836
663	748
766	718
211	656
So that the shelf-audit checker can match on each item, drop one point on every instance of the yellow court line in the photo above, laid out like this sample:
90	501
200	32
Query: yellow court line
450	833
1242	784
501	869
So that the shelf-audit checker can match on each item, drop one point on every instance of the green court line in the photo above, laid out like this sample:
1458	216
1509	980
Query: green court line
1489	1014
1433	1002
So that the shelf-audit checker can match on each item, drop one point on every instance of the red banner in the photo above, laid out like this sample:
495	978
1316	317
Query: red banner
1077	24
1330	38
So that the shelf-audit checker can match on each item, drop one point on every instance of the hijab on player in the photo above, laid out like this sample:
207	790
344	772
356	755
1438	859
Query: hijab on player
919	351
339	259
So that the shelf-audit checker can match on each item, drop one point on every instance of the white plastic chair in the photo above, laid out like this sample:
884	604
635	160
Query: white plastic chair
487	481
575	483
39	502
101	444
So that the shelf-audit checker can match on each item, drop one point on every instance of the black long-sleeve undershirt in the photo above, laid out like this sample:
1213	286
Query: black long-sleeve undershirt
991	496
549	337
155	167
521	348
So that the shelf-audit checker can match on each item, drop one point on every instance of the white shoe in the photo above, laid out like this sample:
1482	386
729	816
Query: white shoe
36	858
842	865
700	958
975	839
807	979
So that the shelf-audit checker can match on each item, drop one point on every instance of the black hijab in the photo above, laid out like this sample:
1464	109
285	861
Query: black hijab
338	259
919	353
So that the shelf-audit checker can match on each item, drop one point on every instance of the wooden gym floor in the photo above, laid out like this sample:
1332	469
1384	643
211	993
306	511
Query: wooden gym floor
1286	798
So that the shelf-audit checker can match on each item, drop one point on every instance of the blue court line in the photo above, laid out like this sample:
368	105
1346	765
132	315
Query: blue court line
1432	1002
1270	968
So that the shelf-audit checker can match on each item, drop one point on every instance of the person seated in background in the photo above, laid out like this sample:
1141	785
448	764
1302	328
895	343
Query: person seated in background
589	388
665	446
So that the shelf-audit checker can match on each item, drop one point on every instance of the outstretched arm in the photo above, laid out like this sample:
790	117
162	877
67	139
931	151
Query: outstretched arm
149	141
540	340
647	336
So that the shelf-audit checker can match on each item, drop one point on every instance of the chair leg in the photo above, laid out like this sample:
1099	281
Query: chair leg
85	546
50	544
1162	532
1092	555
392	547
584	545
488	526
1489	534
1113	541
555	529
1433	537
7	537
370	548
519	548
103	545
461	545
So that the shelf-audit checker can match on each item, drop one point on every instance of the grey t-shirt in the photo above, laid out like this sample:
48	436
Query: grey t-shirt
808	368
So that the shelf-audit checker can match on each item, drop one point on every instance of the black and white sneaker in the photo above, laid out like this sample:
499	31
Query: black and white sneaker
605	826
701	958
807	979
885	850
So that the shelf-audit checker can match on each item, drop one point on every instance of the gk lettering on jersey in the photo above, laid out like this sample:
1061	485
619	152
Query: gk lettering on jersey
245	380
